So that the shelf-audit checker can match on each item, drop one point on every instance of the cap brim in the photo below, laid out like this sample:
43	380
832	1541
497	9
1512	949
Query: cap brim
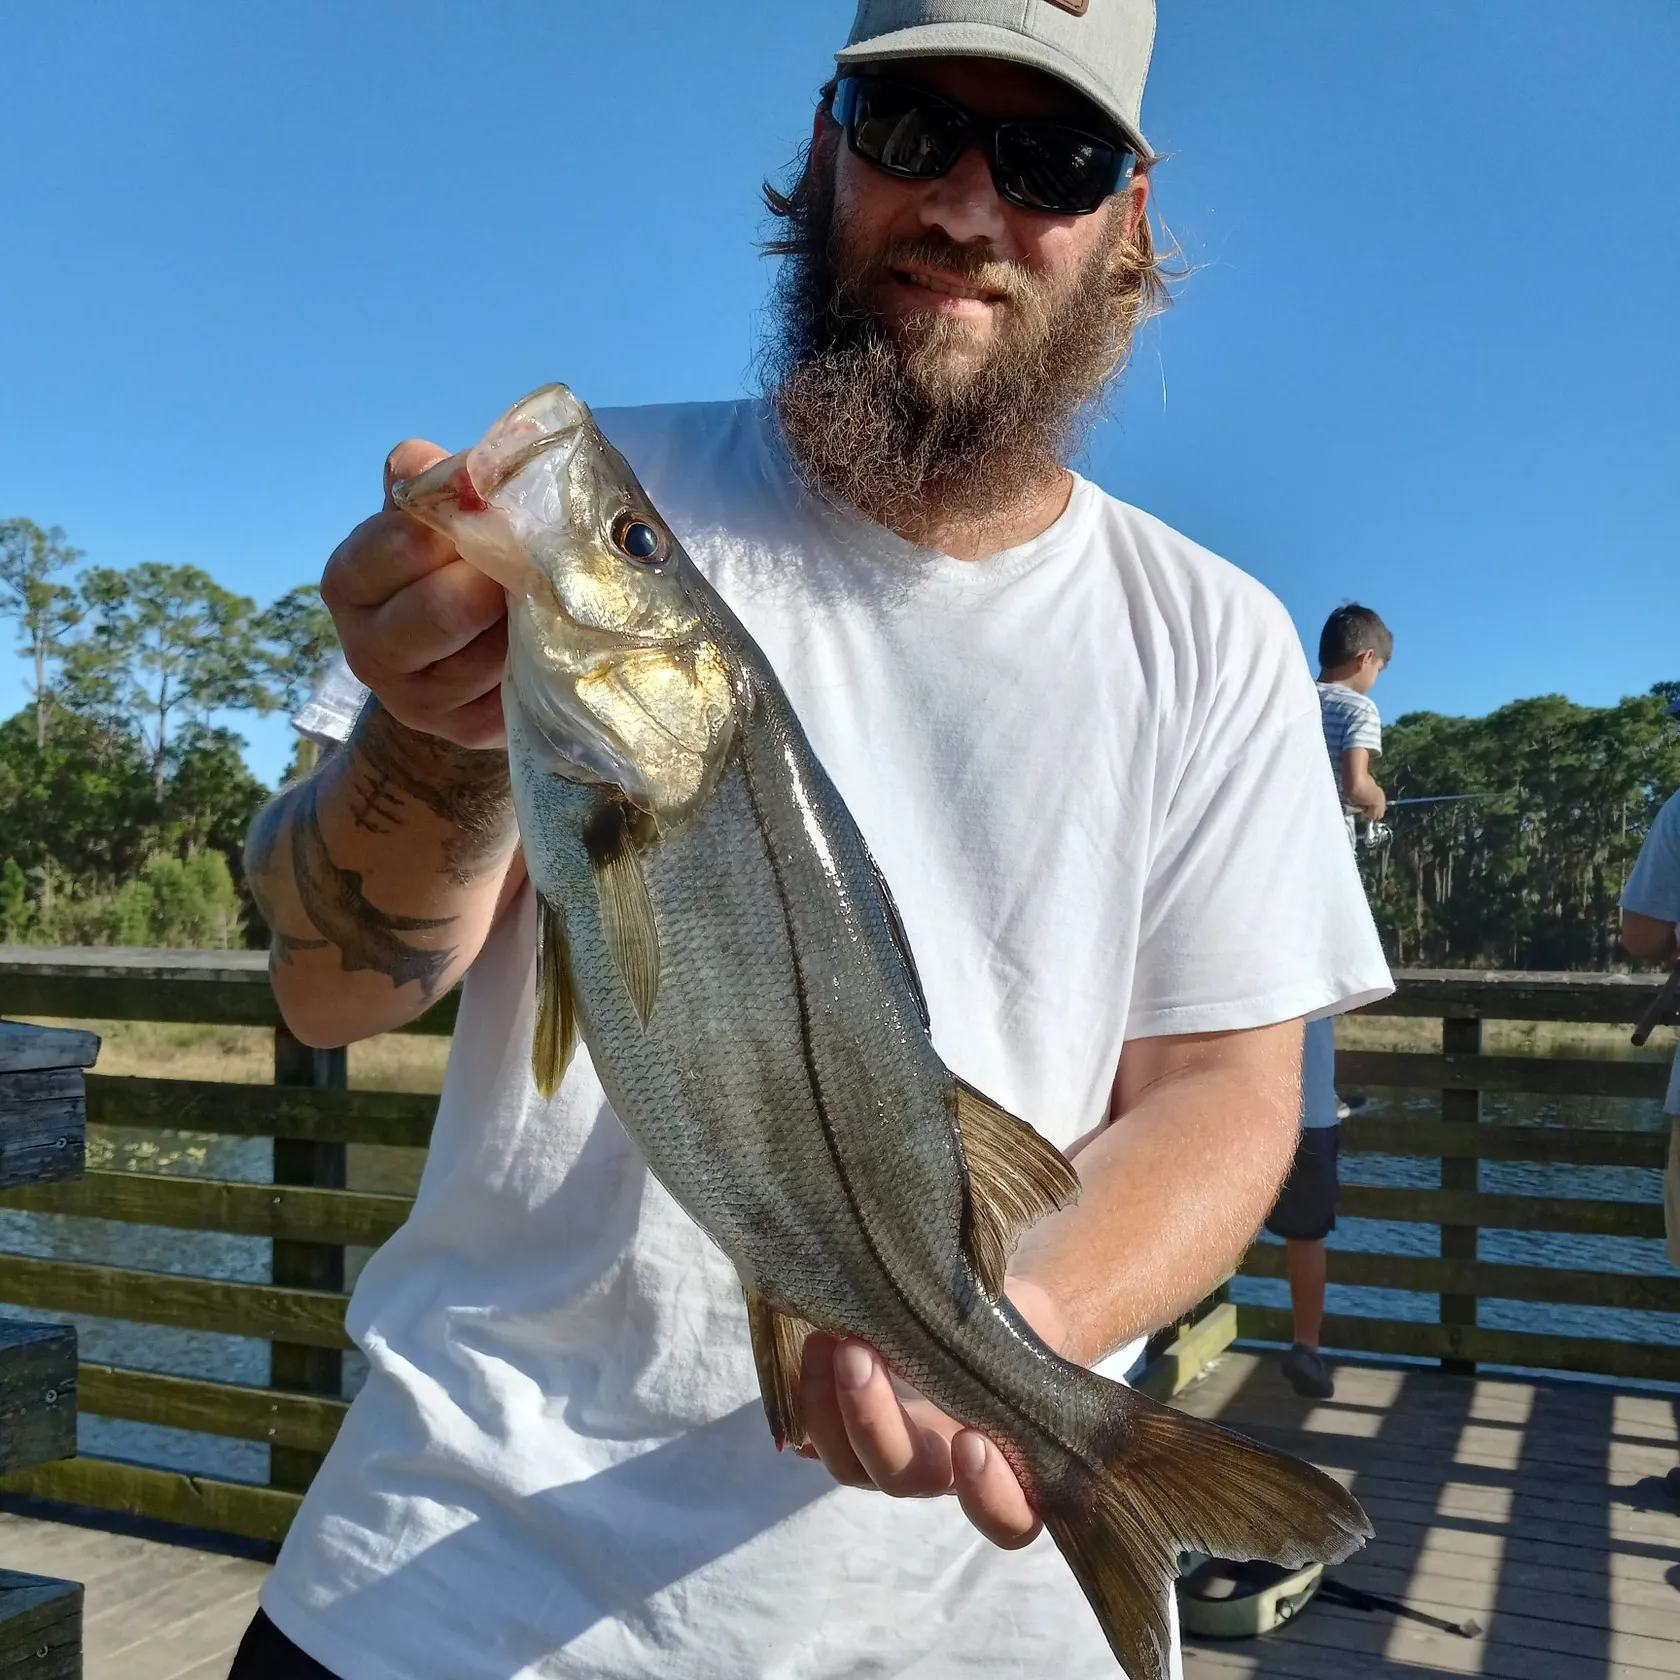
986	40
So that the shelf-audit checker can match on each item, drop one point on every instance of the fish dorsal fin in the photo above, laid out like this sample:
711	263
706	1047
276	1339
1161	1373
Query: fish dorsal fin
615	835
778	1344
556	1020
1014	1178
901	940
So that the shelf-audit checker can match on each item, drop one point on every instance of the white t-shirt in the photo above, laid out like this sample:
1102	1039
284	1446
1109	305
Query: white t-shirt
1653	890
1092	770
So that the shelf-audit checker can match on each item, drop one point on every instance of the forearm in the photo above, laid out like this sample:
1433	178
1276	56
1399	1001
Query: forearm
380	876
1173	1189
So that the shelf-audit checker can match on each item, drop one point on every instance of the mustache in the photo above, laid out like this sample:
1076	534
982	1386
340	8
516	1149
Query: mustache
1013	282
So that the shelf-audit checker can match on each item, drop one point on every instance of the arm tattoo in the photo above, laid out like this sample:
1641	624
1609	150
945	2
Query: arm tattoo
470	791
365	935
259	863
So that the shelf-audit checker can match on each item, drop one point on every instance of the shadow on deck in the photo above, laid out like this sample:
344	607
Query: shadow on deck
1539	1508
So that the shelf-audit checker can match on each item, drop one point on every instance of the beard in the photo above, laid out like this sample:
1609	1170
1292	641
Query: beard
929	420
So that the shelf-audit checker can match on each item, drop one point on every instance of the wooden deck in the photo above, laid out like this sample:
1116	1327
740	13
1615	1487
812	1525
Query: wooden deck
156	1609
1540	1509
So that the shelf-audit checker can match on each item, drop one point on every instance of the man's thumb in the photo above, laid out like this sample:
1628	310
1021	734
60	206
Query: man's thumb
410	458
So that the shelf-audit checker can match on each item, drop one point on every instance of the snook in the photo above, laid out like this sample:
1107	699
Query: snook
712	923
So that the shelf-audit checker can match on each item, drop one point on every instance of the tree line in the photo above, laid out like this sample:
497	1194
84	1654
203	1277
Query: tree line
124	795
1527	873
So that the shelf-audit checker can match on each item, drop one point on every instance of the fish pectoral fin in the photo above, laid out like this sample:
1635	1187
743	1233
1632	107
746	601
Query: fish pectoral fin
1015	1177
778	1343
556	1015
614	837
1170	1484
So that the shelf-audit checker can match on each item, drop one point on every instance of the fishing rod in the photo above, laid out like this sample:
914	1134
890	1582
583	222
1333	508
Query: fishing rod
1378	835
1664	1010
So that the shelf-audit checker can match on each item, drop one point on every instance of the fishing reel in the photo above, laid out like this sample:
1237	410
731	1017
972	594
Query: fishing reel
1375	836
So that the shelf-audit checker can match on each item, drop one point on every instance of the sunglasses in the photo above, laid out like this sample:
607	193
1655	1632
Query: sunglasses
917	136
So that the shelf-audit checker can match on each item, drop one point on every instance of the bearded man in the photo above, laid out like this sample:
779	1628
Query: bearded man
1087	756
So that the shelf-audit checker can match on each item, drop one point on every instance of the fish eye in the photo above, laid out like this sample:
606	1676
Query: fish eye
637	540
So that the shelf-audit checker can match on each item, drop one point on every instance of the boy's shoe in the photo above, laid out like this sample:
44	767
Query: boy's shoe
1307	1373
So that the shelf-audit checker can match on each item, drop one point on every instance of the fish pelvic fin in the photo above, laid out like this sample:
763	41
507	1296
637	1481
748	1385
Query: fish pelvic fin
778	1344
556	1015
1176	1484
1015	1177
614	836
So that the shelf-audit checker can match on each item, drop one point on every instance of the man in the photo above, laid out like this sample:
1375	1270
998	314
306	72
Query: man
1086	755
1651	932
1354	649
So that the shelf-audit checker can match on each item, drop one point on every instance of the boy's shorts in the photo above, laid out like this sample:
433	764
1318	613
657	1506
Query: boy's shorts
1306	1210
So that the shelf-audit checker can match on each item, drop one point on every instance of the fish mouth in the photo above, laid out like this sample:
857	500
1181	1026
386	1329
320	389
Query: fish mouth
550	418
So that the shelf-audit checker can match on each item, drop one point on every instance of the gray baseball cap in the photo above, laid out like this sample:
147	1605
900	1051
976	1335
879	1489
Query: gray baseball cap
1100	47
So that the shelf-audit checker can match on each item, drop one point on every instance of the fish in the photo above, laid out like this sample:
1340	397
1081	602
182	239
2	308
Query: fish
712	926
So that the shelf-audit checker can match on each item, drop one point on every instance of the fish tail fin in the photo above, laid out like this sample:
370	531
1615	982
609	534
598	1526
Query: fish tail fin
1174	1484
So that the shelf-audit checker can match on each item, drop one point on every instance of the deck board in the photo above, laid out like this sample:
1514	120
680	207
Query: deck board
1539	1508
160	1605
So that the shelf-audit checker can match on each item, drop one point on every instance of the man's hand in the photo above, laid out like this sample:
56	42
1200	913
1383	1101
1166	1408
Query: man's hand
424	630
873	1431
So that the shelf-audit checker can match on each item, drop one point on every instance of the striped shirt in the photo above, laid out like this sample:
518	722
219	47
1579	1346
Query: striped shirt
1350	720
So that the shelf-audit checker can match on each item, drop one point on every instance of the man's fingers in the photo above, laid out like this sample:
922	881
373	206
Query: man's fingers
436	616
824	1425
382	556
990	1493
898	1453
409	459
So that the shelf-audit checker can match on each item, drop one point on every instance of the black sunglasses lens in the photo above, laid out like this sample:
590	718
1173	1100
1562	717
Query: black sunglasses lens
905	131
1042	166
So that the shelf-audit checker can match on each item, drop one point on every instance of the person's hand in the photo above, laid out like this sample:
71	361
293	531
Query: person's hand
1376	807
872	1431
424	630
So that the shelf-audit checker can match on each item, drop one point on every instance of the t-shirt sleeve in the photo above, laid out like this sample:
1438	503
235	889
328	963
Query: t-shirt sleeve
1253	911
1653	888
329	714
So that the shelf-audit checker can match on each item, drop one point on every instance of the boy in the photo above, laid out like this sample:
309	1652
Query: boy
1352	652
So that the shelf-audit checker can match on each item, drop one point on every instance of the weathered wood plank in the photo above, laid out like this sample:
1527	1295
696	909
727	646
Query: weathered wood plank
1570	1145
40	1628
1509	995
1643	1363
258	1513
214	988
399	1118
187	1303
26	1049
43	1126
307	1422
1172	1371
1506	1213
286	1212
1537	1075
37	1393
1554	1286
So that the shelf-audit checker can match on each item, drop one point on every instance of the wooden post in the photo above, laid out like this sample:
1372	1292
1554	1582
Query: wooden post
300	1265
43	1138
1461	1035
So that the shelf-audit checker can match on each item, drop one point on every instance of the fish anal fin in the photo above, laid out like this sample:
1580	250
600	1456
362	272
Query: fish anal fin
778	1344
556	1016
1176	1484
615	836
1015	1177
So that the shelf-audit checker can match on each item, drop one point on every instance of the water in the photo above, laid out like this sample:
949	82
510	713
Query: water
246	1259
1639	1255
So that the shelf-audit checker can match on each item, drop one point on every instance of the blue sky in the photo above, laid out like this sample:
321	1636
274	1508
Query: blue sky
1428	356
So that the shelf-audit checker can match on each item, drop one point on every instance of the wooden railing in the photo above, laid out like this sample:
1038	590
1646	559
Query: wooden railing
311	1218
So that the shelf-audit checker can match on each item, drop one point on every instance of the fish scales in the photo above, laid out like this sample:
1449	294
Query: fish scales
735	966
